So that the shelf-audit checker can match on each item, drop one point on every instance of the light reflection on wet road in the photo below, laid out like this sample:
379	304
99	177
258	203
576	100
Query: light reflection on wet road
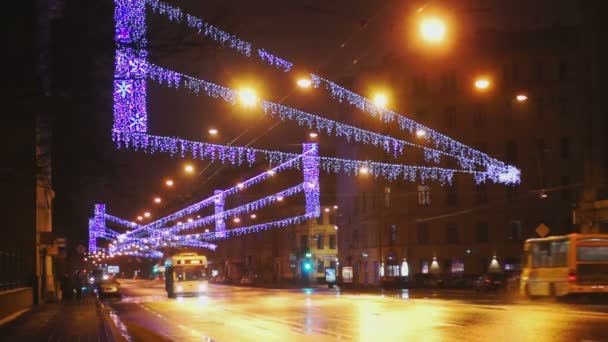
247	314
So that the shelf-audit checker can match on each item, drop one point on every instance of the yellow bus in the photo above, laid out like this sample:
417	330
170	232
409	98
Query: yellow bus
561	265
186	274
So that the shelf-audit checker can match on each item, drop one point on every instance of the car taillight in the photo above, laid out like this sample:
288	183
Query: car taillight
572	277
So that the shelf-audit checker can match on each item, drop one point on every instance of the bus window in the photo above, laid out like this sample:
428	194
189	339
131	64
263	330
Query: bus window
595	253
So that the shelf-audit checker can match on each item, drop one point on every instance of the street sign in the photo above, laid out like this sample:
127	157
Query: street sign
542	230
113	269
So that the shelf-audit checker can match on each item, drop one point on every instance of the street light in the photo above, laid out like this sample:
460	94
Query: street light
380	100
279	198
169	183
521	98
213	131
236	220
188	168
253	216
420	133
432	30
363	170
482	83
147	214
157	200
140	218
304	83
247	97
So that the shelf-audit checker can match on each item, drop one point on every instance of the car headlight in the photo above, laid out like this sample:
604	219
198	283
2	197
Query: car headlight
179	288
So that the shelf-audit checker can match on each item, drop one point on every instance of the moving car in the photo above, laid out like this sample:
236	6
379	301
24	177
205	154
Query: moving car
109	287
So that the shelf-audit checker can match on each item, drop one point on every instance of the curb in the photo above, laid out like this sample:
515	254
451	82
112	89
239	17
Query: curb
112	331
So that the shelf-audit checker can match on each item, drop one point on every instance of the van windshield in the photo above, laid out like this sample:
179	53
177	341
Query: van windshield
185	273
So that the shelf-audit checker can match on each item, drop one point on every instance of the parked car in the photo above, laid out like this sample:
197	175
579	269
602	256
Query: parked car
109	287
498	281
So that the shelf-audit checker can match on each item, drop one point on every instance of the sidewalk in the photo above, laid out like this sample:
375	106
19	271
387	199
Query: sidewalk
60	322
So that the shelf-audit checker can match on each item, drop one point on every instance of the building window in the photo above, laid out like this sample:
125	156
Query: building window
332	241
304	242
457	266
424	267
424	195
392	235
450	116
566	189
512	193
539	104
511	152
562	71
479	119
320	240
392	270
363	202
515	232
452	233
320	266
482	231
481	193
515	72
423	233
540	148
451	194
563	107
387	197
540	72
565	147
509	113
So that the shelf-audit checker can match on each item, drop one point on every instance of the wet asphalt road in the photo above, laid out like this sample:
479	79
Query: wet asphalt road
230	313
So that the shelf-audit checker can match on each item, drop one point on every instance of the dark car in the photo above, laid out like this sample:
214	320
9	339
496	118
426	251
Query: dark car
492	282
109	287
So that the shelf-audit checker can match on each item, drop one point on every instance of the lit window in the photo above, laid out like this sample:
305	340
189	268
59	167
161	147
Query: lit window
424	195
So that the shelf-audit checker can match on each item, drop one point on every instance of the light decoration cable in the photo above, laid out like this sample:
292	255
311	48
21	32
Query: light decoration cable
342	94
154	236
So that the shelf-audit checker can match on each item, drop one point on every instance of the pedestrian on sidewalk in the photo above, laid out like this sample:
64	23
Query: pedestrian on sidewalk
67	292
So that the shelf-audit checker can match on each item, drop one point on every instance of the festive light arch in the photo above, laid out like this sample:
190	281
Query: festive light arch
130	130
132	69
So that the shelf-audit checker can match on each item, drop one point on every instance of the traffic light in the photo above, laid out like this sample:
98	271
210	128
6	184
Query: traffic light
307	263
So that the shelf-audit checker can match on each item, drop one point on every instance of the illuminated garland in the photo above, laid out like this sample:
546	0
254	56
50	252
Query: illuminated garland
120	221
340	93
256	228
389	144
208	201
246	208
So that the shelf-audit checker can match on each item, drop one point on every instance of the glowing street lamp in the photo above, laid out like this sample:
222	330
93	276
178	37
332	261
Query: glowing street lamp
140	218
188	168
363	170
521	98
147	214
326	210
432	30
280	198
169	183
213	131
236	220
380	100
420	133
304	83
336	207
313	134
247	97
482	84
253	216
157	200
